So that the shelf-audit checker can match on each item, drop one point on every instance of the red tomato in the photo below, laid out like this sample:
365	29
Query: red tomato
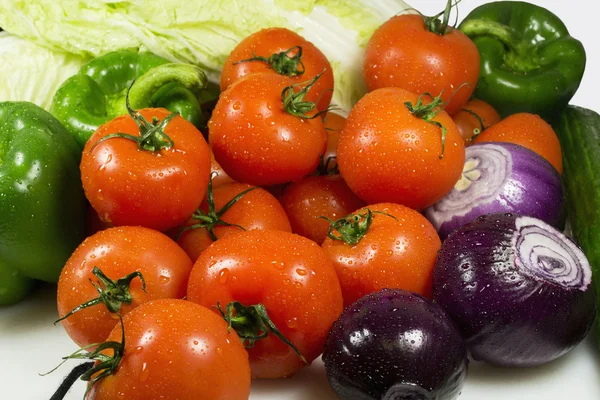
527	130
468	124
176	350
282	44
393	253
286	273
308	199
130	186
404	53
256	140
388	154
221	177
257	209
118	252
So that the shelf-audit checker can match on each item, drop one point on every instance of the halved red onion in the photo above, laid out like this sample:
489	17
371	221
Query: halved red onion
500	177
519	290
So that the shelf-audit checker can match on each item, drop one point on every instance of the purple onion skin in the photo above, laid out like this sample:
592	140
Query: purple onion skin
395	344
509	316
532	187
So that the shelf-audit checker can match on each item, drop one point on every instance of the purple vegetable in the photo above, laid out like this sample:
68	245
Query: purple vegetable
394	344
518	289
500	177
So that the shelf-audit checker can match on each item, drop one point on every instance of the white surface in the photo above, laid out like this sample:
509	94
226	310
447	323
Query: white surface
30	344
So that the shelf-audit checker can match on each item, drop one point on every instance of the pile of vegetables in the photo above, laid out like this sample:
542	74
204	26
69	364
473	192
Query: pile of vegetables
226	210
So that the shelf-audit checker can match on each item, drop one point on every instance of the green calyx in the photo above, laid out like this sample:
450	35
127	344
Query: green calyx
476	131
352	228
103	366
152	134
441	27
293	101
209	220
252	323
111	293
325	166
427	112
287	62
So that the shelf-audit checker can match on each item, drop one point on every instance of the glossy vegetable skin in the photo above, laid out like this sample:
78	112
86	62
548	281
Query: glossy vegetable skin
579	132
529	61
519	290
281	51
475	117
386	153
176	350
41	202
397	250
288	274
157	189
394	344
96	94
501	177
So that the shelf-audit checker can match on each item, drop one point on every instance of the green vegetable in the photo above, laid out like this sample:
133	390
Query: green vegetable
13	285
579	132
31	72
529	62
97	93
203	32
41	198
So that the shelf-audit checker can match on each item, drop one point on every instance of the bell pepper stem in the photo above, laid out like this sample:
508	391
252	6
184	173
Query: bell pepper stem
189	76
480	27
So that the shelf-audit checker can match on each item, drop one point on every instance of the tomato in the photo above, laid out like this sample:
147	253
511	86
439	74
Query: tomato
404	53
273	41
392	253
157	189
176	350
256	209
388	154
308	199
334	123
527	130
286	273
118	252
220	177
256	139
475	117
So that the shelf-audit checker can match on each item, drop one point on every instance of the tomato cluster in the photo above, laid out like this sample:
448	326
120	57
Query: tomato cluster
289	213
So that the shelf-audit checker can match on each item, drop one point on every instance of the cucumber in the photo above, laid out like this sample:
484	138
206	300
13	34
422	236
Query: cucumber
578	130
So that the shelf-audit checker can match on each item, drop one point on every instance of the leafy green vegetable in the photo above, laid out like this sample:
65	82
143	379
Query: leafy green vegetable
31	72
203	32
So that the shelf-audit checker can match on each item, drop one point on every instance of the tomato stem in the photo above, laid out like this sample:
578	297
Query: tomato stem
111	293
294	104
209	220
152	134
325	167
103	366
353	227
252	323
438	27
284	63
476	131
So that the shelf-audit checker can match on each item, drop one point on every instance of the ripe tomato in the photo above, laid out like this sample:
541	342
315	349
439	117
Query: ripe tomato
286	273
468	124
278	49
527	130
308	199
220	177
176	350
118	252
156	189
256	209
388	154
393	253
256	139
404	53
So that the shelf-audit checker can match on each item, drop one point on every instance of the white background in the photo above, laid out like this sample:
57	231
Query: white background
30	344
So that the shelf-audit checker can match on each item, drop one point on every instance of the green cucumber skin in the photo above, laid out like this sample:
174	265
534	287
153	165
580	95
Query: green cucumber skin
578	130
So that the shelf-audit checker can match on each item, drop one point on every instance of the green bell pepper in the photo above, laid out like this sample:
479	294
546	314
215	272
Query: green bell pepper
529	62
97	93
41	197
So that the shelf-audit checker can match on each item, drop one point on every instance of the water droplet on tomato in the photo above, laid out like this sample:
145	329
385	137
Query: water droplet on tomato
236	106
301	271
298	285
223	276
292	323
139	349
163	279
145	373
286	282
100	195
219	350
